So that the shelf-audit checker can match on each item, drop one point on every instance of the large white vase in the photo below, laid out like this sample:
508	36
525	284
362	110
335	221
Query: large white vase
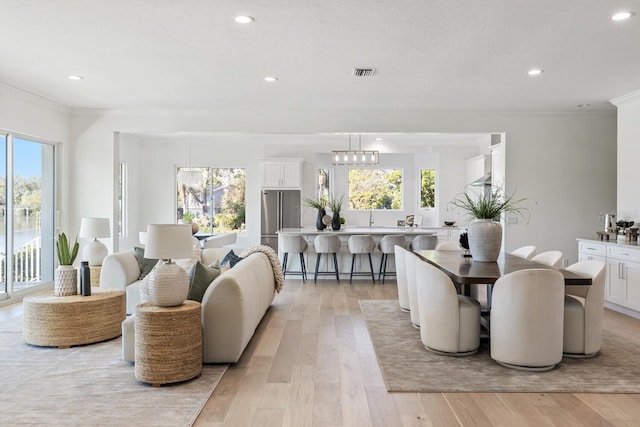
485	240
65	281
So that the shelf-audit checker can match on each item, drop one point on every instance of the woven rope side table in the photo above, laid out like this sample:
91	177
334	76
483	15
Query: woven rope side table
61	322
168	343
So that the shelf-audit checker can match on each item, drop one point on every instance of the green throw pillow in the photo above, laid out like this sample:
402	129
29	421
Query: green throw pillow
200	277
145	264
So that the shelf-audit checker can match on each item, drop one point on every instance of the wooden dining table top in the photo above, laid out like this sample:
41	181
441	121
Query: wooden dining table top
465	271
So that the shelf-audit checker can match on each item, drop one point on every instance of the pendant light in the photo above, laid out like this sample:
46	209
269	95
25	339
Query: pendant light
355	157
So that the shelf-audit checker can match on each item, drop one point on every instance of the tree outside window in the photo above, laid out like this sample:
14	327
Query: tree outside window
427	188
375	189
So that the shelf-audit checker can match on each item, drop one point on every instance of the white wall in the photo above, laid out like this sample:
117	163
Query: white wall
565	162
628	188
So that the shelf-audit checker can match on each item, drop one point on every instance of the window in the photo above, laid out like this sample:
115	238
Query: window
427	188
27	209
212	198
323	184
375	189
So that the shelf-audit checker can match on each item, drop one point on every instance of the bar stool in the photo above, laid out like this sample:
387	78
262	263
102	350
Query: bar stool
386	246
360	245
326	244
424	242
293	244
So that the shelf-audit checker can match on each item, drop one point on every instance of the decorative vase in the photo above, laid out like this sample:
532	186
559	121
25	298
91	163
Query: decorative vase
335	221
485	240
319	223
65	281
168	285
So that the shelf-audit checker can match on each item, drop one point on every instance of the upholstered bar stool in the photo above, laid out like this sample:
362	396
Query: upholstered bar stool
327	244
360	245
387	245
424	242
296	244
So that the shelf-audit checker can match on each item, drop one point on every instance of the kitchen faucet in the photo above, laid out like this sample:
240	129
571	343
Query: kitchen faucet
370	218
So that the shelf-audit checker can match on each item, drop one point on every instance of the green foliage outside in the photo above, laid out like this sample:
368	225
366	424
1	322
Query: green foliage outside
27	193
199	199
375	189
427	188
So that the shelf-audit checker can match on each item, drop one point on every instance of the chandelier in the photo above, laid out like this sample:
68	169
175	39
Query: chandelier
355	157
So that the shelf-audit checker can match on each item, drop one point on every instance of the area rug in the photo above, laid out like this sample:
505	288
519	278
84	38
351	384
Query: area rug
90	386
408	367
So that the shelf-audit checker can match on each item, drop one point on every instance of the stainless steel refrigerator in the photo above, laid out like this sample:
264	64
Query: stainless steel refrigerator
280	209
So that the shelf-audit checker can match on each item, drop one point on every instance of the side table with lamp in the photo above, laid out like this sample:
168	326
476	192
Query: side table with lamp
168	329
96	251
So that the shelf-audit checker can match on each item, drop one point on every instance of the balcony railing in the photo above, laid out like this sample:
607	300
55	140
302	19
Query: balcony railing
25	264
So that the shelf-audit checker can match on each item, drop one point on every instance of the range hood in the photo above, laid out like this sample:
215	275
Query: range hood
482	181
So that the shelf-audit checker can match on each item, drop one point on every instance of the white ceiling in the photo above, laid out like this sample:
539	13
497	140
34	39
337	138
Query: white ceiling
429	54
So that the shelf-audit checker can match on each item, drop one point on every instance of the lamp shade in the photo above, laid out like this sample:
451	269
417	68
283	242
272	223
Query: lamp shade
168	241
94	228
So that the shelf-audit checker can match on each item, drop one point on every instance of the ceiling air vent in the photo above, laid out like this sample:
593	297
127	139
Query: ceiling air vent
363	72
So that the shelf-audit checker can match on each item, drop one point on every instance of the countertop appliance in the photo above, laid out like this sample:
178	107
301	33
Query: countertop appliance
280	209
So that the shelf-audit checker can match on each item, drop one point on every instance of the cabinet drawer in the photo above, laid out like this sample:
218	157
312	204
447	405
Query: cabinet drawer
592	248
623	253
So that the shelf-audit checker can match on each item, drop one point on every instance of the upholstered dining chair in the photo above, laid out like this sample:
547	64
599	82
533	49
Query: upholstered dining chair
551	258
410	261
449	323
583	311
448	246
527	312
401	277
527	252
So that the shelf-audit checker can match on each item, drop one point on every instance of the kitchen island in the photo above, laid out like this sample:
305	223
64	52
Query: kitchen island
344	257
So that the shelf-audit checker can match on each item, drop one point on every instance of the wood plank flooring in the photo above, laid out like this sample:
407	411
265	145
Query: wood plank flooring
311	363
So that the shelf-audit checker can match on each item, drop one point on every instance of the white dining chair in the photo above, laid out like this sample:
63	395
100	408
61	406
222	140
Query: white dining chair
527	252
583	311
449	246
449	323
401	277
551	258
527	312
410	261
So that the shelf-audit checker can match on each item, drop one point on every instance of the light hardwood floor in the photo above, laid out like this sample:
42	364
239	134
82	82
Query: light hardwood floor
311	363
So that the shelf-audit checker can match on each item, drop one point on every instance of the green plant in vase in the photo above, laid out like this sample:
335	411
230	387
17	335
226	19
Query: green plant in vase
485	207
335	205
66	275
321	205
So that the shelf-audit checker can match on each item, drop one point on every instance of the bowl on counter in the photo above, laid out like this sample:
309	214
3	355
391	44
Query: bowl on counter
449	223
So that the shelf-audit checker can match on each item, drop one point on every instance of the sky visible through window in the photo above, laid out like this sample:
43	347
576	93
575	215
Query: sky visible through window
27	157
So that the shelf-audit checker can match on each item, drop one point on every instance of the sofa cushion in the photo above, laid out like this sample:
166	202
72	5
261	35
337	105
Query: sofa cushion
145	264
200	277
231	258
188	263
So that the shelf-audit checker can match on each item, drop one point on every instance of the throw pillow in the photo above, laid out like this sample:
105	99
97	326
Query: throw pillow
145	264
200	277
231	258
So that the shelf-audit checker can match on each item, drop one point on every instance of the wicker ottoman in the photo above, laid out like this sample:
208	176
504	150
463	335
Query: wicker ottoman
73	320
168	341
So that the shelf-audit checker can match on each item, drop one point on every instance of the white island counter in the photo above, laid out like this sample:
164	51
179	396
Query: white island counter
344	257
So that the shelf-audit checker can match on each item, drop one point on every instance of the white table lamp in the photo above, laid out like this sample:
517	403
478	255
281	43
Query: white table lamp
168	283
94	228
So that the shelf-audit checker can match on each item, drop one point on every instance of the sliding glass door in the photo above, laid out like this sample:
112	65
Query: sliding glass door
27	204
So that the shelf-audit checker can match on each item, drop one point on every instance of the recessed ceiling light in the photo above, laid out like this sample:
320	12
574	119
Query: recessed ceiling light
621	16
584	105
243	19
535	72
270	79
75	77
378	139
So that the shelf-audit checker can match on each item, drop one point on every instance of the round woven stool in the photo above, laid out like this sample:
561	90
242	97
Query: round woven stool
168	343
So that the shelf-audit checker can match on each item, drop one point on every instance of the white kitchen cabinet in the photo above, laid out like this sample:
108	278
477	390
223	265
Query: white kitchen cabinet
622	283
477	167
282	173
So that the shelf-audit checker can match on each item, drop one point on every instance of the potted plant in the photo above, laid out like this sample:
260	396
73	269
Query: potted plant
336	206
187	218
321	205
485	208
66	275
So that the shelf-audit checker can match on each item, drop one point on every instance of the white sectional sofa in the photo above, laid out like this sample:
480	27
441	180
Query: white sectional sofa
232	306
